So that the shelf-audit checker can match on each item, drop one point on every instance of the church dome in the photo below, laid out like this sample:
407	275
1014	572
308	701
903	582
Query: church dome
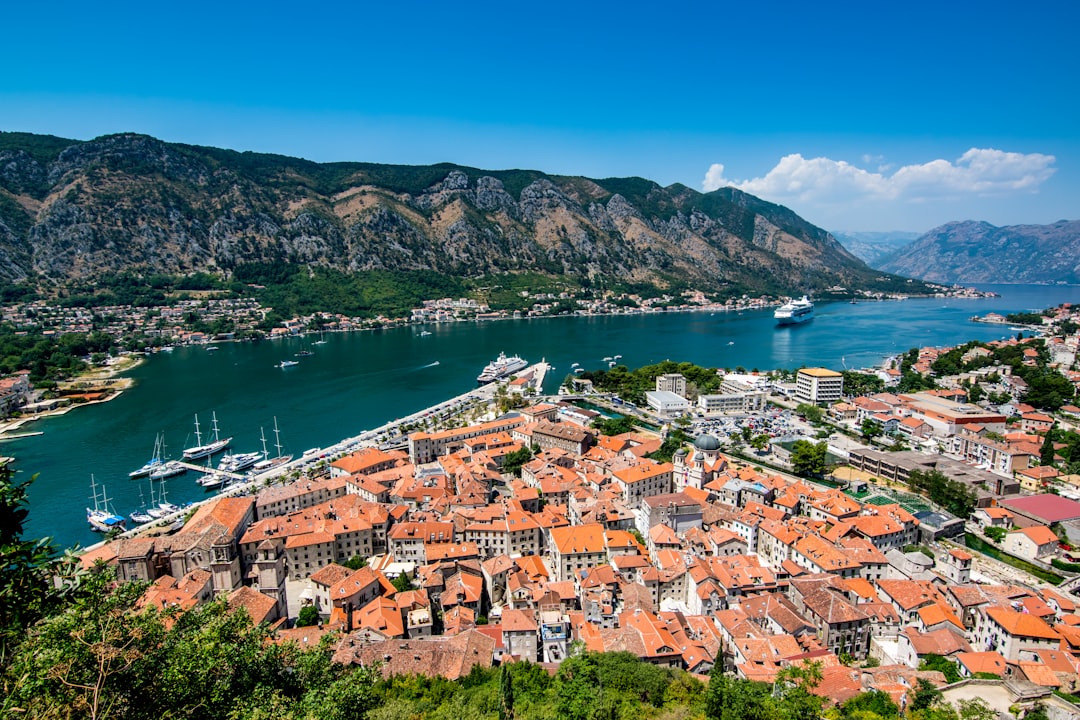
708	443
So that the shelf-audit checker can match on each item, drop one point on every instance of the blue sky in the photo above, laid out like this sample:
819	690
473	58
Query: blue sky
859	116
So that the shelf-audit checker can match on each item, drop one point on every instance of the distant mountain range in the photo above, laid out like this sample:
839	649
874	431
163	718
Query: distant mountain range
72	209
971	251
872	246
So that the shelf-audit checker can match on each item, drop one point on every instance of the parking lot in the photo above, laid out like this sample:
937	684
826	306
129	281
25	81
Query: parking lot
777	423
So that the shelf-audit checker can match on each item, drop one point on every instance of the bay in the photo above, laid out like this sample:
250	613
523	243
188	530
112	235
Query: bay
361	380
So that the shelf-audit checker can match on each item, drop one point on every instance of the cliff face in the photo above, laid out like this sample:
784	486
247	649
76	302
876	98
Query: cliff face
980	252
72	209
870	247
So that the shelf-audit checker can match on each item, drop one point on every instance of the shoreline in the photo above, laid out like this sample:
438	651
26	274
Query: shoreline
445	409
98	376
137	359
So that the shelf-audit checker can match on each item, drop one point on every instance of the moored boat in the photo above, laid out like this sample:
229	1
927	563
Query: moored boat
500	368
269	463
238	462
213	480
211	448
152	464
168	469
101	517
142	516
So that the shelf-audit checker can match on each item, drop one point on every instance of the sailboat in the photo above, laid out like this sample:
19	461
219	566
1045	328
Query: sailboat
270	463
101	518
152	464
321	340
163	507
211	448
141	515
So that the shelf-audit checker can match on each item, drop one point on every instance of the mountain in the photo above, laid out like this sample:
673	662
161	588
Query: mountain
872	246
972	251
73	209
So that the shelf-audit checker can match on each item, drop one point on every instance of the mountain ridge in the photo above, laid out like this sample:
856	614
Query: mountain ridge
872	246
70	209
971	251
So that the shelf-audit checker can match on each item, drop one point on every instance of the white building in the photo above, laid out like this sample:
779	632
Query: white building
666	402
818	386
735	396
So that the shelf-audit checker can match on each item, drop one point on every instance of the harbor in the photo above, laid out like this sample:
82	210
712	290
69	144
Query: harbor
387	435
363	380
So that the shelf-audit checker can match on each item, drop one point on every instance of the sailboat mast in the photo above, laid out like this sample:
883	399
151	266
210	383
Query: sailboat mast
198	435
277	437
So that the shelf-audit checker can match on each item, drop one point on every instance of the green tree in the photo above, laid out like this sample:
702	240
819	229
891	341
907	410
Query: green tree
953	495
976	709
402	583
812	413
859	383
614	426
308	616
1037	712
926	694
760	442
808	459
870	705
513	461
943	665
871	428
506	691
34	581
731	699
976	393
793	688
676	438
997	534
1046	452
355	562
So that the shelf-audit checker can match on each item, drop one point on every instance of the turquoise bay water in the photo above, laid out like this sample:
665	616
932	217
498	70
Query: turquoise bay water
361	380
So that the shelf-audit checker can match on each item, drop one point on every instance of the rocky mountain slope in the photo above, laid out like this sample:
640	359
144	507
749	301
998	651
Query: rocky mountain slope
71	209
872	246
971	251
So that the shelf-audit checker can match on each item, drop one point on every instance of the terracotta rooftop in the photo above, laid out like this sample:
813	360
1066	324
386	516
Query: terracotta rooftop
258	606
1021	624
943	642
449	657
987	662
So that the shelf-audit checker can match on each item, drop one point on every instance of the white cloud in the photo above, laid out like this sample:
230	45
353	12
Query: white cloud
979	172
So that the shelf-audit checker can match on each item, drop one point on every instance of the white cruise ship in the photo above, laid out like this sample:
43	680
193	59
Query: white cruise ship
501	367
794	312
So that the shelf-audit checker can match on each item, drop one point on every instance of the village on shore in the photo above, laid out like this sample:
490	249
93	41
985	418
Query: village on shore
531	535
203	321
